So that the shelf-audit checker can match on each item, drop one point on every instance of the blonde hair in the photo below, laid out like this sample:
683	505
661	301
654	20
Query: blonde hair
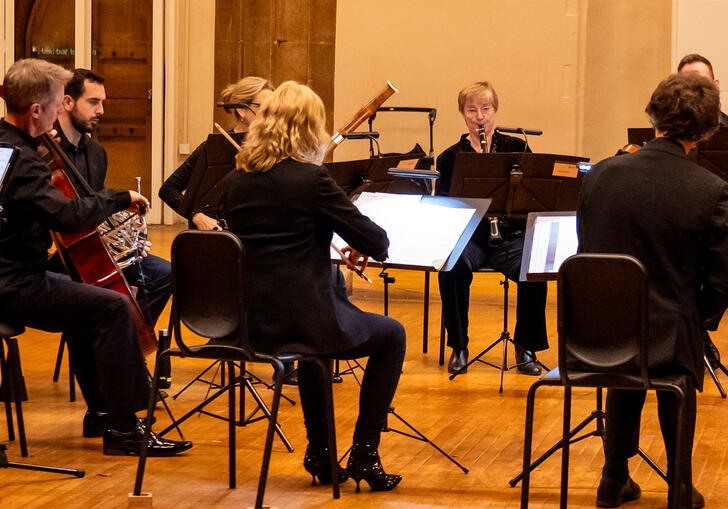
290	123
30	81
244	90
479	89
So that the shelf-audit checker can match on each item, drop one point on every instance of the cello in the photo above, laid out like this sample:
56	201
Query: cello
84	252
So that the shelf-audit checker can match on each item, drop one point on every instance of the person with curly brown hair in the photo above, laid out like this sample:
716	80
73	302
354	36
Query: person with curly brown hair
672	215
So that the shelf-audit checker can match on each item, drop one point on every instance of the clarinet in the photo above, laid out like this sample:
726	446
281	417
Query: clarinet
495	236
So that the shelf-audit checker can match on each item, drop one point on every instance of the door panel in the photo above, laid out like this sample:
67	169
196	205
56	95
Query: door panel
121	53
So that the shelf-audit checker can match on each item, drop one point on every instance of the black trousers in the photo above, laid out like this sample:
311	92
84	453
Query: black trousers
383	341
622	427
530	331
154	282
103	344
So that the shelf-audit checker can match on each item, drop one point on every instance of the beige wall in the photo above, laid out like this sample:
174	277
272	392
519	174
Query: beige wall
700	28
580	70
189	81
628	47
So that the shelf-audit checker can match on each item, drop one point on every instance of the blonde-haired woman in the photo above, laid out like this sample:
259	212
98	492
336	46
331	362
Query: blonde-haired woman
284	206
241	100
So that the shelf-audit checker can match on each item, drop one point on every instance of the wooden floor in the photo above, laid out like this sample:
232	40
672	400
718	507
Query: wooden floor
466	417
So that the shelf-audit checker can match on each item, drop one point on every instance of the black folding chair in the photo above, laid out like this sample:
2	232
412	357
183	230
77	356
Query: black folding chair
208	274
603	342
12	390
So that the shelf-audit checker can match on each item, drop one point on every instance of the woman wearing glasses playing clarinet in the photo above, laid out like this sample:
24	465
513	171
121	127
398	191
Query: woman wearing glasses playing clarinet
497	243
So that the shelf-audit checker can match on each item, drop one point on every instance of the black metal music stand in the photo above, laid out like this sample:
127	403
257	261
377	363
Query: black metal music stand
372	175
517	183
431	115
205	188
245	381
417	434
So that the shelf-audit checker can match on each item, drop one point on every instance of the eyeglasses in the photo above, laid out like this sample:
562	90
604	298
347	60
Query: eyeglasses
229	107
473	112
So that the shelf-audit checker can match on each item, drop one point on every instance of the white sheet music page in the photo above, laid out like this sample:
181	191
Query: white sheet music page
554	240
420	234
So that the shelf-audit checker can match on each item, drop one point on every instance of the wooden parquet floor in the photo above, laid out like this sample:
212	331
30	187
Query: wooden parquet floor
467	417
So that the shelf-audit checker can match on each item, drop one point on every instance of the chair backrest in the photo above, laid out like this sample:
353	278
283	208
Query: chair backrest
602	316
208	284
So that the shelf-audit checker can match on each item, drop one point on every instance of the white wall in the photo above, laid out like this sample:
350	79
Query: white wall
699	27
528	49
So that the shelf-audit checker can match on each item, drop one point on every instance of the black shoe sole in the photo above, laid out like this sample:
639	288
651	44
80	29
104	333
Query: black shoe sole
529	373
458	371
152	453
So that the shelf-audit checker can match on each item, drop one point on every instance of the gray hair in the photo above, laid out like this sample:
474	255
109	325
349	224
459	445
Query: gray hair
30	81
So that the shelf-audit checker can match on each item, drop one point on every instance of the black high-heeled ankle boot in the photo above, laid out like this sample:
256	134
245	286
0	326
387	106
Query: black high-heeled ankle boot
364	464
317	463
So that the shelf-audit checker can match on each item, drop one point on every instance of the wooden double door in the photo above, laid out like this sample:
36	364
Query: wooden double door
121	52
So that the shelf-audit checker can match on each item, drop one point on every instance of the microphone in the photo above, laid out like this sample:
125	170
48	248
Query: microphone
519	130
362	135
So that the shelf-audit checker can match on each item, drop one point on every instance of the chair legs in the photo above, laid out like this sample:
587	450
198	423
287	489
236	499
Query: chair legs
678	490
148	427
57	370
331	428
527	445
14	390
272	425
279	370
566	442
232	450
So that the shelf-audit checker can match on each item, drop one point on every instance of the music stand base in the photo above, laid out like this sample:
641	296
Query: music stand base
504	339
4	463
417	436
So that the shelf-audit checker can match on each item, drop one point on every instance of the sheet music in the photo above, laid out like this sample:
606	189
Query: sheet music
420	234
5	154
554	240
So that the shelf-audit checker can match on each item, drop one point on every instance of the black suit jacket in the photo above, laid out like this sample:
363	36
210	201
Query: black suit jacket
285	218
672	215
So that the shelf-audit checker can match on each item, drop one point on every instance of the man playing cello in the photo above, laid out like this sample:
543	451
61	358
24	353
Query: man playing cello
100	320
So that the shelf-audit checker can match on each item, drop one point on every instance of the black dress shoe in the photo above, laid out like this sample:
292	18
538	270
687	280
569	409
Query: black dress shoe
94	423
118	443
612	493
458	360
526	362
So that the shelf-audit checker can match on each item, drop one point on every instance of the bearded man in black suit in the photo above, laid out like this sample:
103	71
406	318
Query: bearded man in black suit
672	215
